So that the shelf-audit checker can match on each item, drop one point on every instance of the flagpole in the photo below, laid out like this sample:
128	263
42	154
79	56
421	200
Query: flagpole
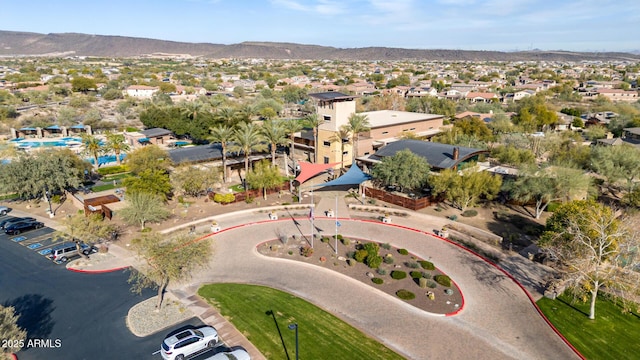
312	216
336	215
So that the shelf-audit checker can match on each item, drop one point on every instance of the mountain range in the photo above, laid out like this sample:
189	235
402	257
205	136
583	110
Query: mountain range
13	43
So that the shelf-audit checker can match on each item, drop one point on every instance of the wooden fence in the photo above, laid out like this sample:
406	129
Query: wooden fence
403	201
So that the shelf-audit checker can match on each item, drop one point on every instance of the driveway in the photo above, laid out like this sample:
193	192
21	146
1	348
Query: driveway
80	316
498	320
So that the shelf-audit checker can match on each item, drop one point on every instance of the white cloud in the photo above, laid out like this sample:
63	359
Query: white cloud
321	7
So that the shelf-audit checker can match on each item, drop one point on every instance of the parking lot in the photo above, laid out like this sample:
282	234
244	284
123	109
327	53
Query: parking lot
76	315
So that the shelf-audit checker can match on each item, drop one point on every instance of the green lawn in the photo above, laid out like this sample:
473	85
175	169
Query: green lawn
116	177
104	187
263	315
237	188
612	335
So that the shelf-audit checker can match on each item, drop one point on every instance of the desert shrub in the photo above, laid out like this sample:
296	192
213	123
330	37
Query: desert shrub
412	264
290	252
381	271
431	284
469	213
306	251
373	261
377	281
56	199
345	241
398	275
405	294
372	248
340	237
443	280
388	259
427	265
426	275
351	262
415	274
453	217
360	255
422	282
403	251
350	254
249	199
224	198
108	170
324	239
386	246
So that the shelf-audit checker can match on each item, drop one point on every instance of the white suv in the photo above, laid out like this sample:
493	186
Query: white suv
189	342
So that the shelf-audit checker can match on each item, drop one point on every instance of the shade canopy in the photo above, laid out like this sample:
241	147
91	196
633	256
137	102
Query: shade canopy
28	129
79	126
309	170
354	176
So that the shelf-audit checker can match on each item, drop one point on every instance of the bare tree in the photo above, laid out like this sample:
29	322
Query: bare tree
595	249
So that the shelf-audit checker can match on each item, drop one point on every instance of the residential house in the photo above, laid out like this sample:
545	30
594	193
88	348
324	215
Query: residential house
481	97
156	136
141	91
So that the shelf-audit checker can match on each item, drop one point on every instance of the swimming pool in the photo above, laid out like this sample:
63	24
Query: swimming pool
31	143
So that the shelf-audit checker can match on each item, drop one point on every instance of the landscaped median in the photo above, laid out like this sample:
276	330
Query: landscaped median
263	315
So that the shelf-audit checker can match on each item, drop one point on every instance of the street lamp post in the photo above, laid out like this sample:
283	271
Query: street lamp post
295	327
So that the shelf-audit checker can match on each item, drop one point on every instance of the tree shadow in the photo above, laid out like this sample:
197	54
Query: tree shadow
570	304
35	315
484	274
275	321
515	229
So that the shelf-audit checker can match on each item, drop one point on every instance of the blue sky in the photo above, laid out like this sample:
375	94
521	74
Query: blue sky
577	25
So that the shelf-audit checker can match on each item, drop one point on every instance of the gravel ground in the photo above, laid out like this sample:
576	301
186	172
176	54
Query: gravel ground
144	320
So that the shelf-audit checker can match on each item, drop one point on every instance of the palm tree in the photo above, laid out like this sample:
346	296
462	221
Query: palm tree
117	144
314	121
274	133
291	128
227	115
246	112
343	137
190	109
92	146
247	138
357	123
223	134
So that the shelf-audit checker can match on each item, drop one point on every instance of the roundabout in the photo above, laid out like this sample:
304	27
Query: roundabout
498	320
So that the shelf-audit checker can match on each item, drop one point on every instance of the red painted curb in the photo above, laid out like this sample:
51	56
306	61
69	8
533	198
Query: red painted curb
97	271
14	356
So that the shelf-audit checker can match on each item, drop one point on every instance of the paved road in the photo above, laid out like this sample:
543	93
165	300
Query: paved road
498	320
85	312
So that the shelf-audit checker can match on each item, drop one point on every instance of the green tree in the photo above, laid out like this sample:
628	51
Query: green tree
314	121
87	228
594	249
10	332
546	185
273	132
42	174
617	163
264	176
117	144
404	169
83	84
151	181
291	128
94	147
148	157
247	138
342	137
144	207
465	189
511	155
357	123
222	134
226	115
167	259
194	181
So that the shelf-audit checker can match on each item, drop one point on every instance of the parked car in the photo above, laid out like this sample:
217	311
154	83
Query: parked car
67	250
4	210
238	354
22	226
189	342
7	222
